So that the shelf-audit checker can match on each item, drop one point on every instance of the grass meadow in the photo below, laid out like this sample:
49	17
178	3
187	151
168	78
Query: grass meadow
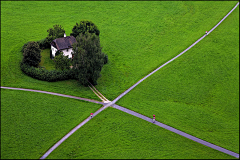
197	93
46	62
137	37
31	123
115	134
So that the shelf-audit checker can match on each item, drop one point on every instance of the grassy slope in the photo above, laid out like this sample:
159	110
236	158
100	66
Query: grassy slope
114	134
132	34
198	93
33	122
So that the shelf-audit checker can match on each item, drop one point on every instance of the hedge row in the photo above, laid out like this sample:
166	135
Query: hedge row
45	75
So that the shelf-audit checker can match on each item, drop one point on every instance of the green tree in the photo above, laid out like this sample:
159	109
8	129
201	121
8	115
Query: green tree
85	26
32	54
62	62
56	32
88	58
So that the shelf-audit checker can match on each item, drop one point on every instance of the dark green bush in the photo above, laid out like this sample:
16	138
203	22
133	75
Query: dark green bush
24	46
85	26
45	75
32	54
43	43
62	62
57	53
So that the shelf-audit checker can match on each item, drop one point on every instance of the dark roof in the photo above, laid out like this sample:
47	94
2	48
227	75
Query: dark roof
63	43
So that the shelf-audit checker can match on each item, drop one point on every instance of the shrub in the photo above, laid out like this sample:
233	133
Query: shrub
57	53
45	75
31	54
56	32
62	62
24	46
85	26
43	43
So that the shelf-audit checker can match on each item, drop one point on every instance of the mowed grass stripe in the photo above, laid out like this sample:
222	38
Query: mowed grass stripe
137	36
32	122
114	134
199	92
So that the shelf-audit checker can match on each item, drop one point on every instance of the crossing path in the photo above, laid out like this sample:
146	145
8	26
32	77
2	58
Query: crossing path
112	103
127	111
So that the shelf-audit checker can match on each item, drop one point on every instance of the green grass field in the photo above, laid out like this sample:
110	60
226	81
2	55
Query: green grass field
31	123
197	93
137	36
115	134
46	62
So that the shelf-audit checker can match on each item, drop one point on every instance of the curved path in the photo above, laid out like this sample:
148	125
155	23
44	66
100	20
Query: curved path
74	129
177	131
56	94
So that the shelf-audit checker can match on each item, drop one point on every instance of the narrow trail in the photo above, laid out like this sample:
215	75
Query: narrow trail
126	111
108	103
56	94
128	90
70	133
104	99
177	131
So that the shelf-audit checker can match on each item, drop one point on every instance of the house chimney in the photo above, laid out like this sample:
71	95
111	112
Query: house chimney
64	34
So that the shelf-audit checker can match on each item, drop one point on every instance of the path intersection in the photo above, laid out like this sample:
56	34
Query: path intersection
106	103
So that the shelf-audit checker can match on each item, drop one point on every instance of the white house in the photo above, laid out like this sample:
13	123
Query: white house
63	44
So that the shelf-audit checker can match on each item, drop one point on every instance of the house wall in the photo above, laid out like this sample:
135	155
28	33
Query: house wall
54	50
67	52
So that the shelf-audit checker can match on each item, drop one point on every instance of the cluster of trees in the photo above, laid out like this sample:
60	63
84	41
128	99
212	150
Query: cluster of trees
88	56
53	33
84	27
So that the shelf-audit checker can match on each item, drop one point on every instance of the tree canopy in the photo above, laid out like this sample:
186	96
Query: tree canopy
85	26
31	54
56	32
88	58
